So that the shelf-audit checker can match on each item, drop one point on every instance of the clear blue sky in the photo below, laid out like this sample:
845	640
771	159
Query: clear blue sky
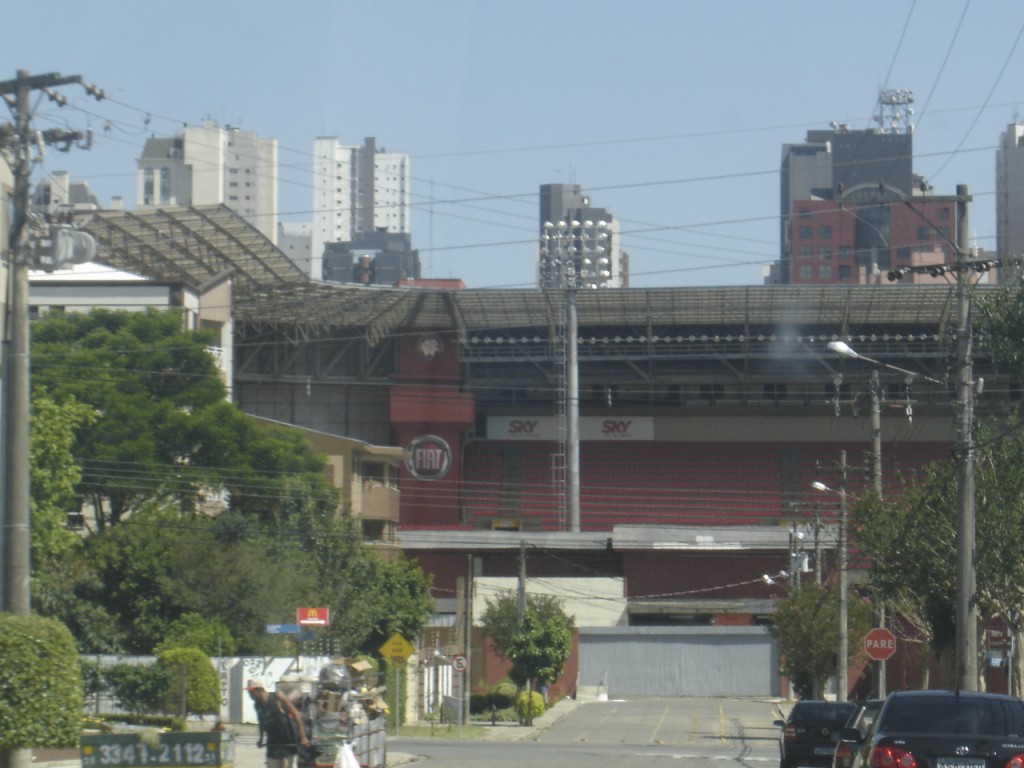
670	114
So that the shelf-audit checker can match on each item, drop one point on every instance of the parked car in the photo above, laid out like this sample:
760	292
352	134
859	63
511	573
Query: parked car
810	733
862	719
943	729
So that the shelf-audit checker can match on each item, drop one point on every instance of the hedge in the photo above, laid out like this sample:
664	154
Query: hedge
40	684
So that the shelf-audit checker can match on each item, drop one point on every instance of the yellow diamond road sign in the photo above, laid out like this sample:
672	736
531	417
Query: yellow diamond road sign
397	647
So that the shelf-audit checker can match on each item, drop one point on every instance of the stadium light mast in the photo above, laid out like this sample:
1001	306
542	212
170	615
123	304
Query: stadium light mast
563	246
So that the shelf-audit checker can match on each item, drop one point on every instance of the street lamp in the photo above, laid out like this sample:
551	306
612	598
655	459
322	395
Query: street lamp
844	349
875	388
842	682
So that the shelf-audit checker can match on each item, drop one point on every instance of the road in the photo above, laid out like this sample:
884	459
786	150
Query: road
641	733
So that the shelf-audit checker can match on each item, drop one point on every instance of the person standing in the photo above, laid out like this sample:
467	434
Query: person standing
280	725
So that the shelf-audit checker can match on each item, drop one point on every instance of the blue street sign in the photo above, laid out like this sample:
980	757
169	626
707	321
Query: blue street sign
283	629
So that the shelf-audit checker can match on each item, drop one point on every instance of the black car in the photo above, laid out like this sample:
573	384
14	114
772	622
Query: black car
943	729
810	733
862	719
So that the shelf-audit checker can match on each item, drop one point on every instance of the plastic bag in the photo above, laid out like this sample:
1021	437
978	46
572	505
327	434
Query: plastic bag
346	758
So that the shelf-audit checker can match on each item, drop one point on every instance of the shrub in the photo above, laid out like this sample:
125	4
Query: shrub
529	705
503	695
40	684
138	688
191	672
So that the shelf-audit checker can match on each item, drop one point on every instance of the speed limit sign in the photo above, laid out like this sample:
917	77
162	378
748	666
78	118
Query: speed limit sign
459	662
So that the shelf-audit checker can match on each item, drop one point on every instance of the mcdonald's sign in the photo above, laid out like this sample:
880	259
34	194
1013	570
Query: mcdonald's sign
313	617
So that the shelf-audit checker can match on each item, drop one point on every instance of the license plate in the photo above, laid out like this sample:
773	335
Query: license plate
959	762
832	750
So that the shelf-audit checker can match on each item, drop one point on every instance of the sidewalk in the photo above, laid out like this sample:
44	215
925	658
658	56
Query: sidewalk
248	755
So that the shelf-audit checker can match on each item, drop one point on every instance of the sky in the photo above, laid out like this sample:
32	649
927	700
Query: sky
670	114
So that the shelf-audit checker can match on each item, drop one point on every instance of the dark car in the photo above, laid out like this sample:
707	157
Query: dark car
862	719
810	733
943	729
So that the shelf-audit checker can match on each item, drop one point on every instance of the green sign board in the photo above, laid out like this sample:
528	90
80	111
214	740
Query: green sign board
167	750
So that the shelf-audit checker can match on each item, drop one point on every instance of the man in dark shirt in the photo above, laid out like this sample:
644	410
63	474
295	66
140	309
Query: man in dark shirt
280	724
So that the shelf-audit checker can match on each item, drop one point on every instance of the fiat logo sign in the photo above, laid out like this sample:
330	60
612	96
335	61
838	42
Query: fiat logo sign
430	458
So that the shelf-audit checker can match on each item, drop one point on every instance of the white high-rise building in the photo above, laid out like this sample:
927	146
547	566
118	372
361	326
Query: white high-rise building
1010	192
356	189
209	165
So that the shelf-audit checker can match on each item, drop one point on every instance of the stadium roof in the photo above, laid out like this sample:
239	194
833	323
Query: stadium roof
204	244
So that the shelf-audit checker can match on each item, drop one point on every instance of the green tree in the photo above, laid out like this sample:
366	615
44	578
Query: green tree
143	375
40	684
500	619
999	327
191	630
194	684
911	541
156	567
371	594
806	624
538	644
540	649
53	476
163	432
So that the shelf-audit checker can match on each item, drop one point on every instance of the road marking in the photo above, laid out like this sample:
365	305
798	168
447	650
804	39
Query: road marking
661	720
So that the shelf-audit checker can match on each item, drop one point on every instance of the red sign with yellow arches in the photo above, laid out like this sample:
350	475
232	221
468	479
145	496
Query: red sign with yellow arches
313	617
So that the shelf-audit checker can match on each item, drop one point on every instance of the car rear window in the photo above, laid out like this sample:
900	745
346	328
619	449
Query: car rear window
822	710
986	717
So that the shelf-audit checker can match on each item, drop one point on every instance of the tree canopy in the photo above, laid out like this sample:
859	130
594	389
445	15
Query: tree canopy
806	623
538	644
206	521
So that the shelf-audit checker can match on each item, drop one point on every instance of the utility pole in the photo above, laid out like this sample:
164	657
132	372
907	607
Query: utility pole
842	685
966	603
17	148
875	385
521	591
18	151
842	561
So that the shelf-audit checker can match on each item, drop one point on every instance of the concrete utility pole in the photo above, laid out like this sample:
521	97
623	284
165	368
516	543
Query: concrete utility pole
842	684
18	150
842	561
966	602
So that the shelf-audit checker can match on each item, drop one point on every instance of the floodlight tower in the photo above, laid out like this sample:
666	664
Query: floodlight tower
894	110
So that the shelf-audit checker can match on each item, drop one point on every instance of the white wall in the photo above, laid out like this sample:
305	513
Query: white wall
593	602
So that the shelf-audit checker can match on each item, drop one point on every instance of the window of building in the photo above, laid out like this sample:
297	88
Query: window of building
147	186
711	392
825	232
845	272
806	233
825	271
944	214
806	272
806	252
924	233
845	252
373	472
825	252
